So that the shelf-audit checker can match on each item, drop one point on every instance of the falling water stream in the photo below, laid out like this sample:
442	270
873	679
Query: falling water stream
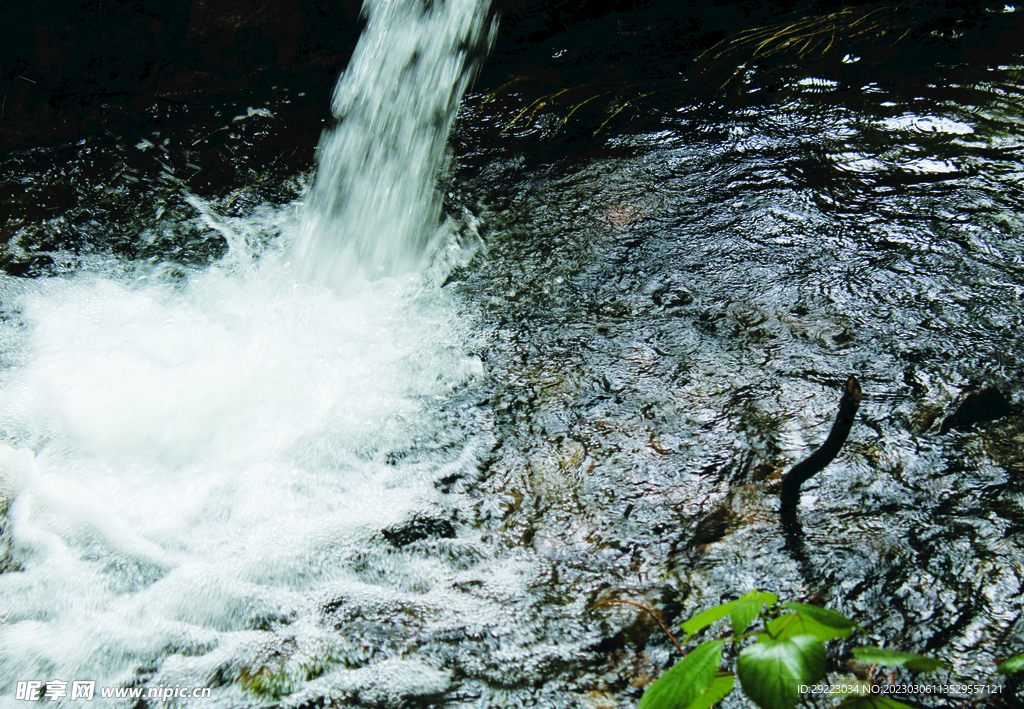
373	208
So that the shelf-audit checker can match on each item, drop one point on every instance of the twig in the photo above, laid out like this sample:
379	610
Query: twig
541	99
576	108
652	614
789	494
627	103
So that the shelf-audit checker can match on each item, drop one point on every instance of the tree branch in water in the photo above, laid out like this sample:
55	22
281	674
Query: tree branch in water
800	473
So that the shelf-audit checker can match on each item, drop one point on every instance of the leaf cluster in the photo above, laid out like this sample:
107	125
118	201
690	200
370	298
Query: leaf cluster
778	658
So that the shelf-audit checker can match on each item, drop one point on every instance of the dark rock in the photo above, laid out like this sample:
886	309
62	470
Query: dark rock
73	69
974	406
70	70
7	561
419	528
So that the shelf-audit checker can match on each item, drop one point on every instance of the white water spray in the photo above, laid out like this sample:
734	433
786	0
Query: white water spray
186	465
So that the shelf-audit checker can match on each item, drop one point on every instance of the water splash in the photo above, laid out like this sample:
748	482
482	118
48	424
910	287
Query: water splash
189	460
374	208
187	464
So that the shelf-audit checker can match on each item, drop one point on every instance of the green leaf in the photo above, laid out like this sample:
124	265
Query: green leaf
895	658
706	618
688	679
792	625
771	670
720	687
1014	664
823	616
743	614
749	607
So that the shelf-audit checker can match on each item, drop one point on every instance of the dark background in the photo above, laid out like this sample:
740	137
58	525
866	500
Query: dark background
72	69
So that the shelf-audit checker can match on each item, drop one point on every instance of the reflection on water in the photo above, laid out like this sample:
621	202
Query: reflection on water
438	484
678	317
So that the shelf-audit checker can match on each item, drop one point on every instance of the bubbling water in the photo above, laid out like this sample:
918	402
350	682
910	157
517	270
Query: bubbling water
183	460
187	461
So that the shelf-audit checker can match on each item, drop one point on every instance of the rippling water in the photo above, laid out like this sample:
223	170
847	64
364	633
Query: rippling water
219	476
677	317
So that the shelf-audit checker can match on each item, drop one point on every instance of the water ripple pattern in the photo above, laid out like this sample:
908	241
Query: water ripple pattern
679	313
297	493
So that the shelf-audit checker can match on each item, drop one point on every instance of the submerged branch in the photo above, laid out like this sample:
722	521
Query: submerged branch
800	473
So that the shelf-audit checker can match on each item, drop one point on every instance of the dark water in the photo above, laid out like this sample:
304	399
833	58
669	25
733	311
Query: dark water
673	319
665	318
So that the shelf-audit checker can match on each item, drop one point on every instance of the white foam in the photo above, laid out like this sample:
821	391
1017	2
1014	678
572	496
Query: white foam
185	458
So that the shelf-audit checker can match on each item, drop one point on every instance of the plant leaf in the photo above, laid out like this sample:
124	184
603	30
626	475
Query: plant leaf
823	616
1014	664
720	687
766	597
687	680
743	614
749	607
895	658
792	625
771	670
706	618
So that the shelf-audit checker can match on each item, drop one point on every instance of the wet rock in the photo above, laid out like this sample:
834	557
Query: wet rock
714	527
419	528
975	406
13	464
24	265
7	562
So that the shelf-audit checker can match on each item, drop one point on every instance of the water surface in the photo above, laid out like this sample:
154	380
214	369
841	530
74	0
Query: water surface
219	474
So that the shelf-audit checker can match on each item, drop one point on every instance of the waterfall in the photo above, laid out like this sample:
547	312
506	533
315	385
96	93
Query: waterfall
193	462
374	208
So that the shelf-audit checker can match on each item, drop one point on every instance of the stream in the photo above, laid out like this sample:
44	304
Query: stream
283	437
